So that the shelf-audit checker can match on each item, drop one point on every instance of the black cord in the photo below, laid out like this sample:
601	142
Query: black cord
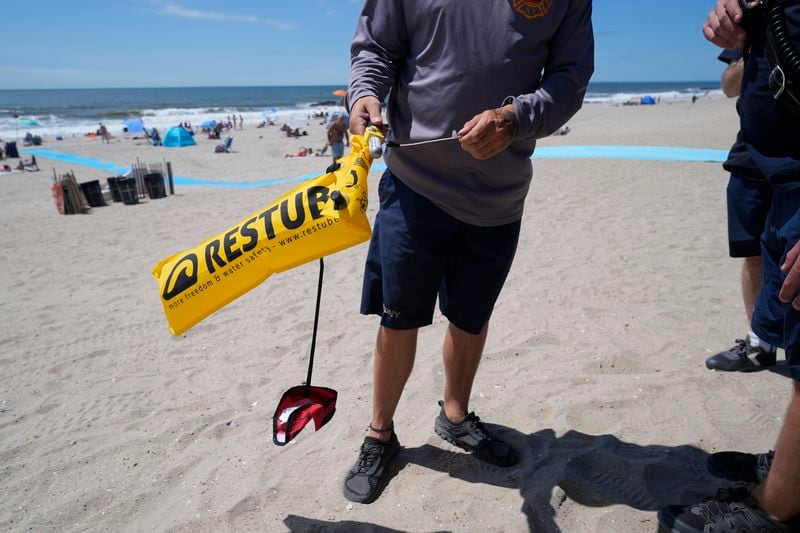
786	52
316	322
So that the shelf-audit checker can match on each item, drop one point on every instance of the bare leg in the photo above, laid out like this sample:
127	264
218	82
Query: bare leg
778	495
462	355
751	284
394	358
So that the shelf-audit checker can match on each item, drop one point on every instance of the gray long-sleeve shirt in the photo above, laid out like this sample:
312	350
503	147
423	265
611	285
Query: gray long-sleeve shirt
444	62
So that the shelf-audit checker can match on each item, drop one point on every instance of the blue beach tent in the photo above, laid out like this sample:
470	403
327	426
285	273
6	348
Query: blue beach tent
134	125
176	137
647	100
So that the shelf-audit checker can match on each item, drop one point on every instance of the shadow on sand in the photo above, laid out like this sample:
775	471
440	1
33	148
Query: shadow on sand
592	470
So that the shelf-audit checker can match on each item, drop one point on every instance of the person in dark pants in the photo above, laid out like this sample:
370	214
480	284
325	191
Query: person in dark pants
749	196
500	74
769	127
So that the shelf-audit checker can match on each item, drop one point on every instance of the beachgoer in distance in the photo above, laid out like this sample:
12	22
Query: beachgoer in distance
769	127
502	74
749	197
338	137
104	133
241	122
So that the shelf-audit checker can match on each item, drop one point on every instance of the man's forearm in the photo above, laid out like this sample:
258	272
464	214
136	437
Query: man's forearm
732	79
566	76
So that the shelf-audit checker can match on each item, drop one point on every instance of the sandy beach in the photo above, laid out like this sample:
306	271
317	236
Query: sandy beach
593	369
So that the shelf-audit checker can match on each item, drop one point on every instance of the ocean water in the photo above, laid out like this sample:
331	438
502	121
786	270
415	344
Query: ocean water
74	112
624	92
71	112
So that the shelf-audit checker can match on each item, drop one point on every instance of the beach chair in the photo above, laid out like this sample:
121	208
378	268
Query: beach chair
224	147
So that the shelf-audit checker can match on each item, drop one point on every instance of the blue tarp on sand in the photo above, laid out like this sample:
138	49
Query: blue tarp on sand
642	153
176	137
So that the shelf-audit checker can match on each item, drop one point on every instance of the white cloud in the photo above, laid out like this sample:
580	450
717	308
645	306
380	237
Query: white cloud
176	10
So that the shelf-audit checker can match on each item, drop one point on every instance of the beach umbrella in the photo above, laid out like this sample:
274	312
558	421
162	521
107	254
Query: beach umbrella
22	121
340	92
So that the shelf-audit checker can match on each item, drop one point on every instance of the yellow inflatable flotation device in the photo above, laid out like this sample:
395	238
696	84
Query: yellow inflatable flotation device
320	217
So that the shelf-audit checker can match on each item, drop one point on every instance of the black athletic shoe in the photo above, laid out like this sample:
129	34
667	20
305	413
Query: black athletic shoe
730	511
470	435
738	466
741	358
365	480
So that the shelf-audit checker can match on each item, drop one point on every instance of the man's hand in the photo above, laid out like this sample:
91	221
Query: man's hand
489	133
790	291
365	112
723	25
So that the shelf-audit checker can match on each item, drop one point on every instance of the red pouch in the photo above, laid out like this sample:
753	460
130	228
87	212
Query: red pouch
299	406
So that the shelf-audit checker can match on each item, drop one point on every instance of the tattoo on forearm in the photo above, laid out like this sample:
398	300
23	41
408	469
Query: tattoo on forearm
508	119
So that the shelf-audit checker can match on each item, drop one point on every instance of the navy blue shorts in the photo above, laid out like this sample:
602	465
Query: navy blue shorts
748	205
775	322
418	251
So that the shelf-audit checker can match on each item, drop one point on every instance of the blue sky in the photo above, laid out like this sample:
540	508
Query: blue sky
150	43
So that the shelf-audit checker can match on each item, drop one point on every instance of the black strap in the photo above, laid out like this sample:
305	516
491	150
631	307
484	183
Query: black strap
316	322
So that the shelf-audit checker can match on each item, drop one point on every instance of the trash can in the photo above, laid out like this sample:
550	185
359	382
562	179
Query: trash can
155	186
94	195
114	188
127	190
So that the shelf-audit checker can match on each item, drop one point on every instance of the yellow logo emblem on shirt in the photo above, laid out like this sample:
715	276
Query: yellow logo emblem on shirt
533	9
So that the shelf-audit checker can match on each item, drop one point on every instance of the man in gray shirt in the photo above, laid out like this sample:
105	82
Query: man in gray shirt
500	73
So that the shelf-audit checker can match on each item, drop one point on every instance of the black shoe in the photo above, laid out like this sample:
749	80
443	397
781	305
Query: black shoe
731	510
365	480
741	358
737	466
470	435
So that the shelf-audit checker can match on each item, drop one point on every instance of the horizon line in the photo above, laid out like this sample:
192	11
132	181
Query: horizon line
712	81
